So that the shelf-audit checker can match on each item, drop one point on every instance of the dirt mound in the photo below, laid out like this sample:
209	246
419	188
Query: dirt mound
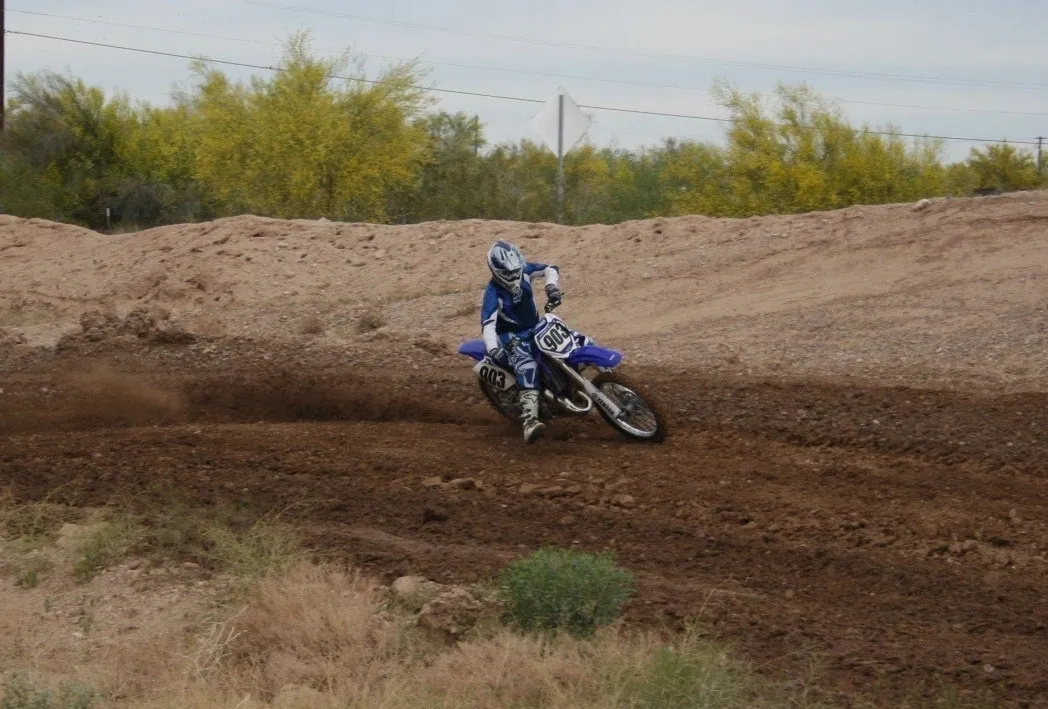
942	295
18	233
152	325
9	336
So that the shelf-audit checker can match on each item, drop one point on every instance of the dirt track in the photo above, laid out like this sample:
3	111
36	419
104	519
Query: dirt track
898	536
878	505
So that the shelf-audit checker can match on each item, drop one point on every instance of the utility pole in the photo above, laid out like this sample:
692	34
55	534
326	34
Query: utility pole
476	131
3	53
561	125
1040	145
560	158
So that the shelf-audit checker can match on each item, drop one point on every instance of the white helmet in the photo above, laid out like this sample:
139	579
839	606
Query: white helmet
507	266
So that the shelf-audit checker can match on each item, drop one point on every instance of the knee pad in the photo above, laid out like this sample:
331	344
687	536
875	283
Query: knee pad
524	366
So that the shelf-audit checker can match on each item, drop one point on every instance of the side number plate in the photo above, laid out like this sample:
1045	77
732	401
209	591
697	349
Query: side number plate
494	375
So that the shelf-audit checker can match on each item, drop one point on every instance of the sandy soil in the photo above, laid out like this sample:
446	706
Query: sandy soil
858	404
954	293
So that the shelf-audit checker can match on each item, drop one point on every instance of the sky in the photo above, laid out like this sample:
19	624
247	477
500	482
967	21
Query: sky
958	68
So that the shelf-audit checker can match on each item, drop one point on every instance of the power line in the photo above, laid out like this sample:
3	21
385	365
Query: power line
944	108
481	94
226	62
525	72
655	55
151	29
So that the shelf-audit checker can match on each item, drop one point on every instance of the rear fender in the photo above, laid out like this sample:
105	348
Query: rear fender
474	349
595	356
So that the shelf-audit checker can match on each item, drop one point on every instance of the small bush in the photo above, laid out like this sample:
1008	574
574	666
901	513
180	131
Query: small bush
110	543
34	522
690	676
561	589
371	320
29	573
267	548
19	692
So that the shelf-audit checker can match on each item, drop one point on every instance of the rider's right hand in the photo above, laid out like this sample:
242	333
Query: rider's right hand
497	353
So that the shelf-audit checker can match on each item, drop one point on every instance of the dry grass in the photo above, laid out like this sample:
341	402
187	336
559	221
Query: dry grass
612	670
33	523
323	636
107	543
318	627
371	320
266	548
320	635
277	629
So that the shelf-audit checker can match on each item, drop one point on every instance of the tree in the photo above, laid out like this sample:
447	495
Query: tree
803	157
318	139
307	143
449	183
71	136
696	179
1003	167
27	193
634	184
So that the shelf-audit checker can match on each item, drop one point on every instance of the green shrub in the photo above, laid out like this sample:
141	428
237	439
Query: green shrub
33	522
267	548
691	676
107	545
18	692
561	589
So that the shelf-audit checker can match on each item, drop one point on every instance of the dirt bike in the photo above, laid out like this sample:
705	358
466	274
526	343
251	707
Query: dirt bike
575	376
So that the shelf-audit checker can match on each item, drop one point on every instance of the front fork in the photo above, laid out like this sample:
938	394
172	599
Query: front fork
595	394
599	397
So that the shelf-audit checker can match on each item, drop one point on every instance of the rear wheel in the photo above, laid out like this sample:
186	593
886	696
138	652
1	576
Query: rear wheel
640	419
506	403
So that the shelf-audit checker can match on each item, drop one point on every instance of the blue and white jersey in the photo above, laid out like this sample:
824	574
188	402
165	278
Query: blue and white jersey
502	313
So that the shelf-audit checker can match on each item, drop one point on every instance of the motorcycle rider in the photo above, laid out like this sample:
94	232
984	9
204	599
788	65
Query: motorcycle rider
508	313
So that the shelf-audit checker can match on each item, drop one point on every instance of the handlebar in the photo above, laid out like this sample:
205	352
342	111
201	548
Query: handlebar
513	341
550	307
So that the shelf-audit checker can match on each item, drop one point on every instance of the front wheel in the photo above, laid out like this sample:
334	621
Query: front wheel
640	419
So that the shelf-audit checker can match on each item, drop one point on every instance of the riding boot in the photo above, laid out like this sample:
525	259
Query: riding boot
529	401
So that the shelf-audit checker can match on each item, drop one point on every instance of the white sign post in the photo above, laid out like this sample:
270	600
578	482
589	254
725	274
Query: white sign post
561	125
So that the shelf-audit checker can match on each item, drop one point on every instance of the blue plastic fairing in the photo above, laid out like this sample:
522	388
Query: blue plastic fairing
596	356
474	349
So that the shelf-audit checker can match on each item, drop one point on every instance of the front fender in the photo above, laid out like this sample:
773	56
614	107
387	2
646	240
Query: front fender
595	356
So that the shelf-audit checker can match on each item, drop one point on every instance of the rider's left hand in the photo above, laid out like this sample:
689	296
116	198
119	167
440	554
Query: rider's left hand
553	295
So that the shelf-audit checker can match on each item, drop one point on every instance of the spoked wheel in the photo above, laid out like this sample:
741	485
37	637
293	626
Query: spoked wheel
506	403
640	419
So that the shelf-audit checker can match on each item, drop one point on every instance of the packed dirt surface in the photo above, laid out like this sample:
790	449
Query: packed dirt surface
855	473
